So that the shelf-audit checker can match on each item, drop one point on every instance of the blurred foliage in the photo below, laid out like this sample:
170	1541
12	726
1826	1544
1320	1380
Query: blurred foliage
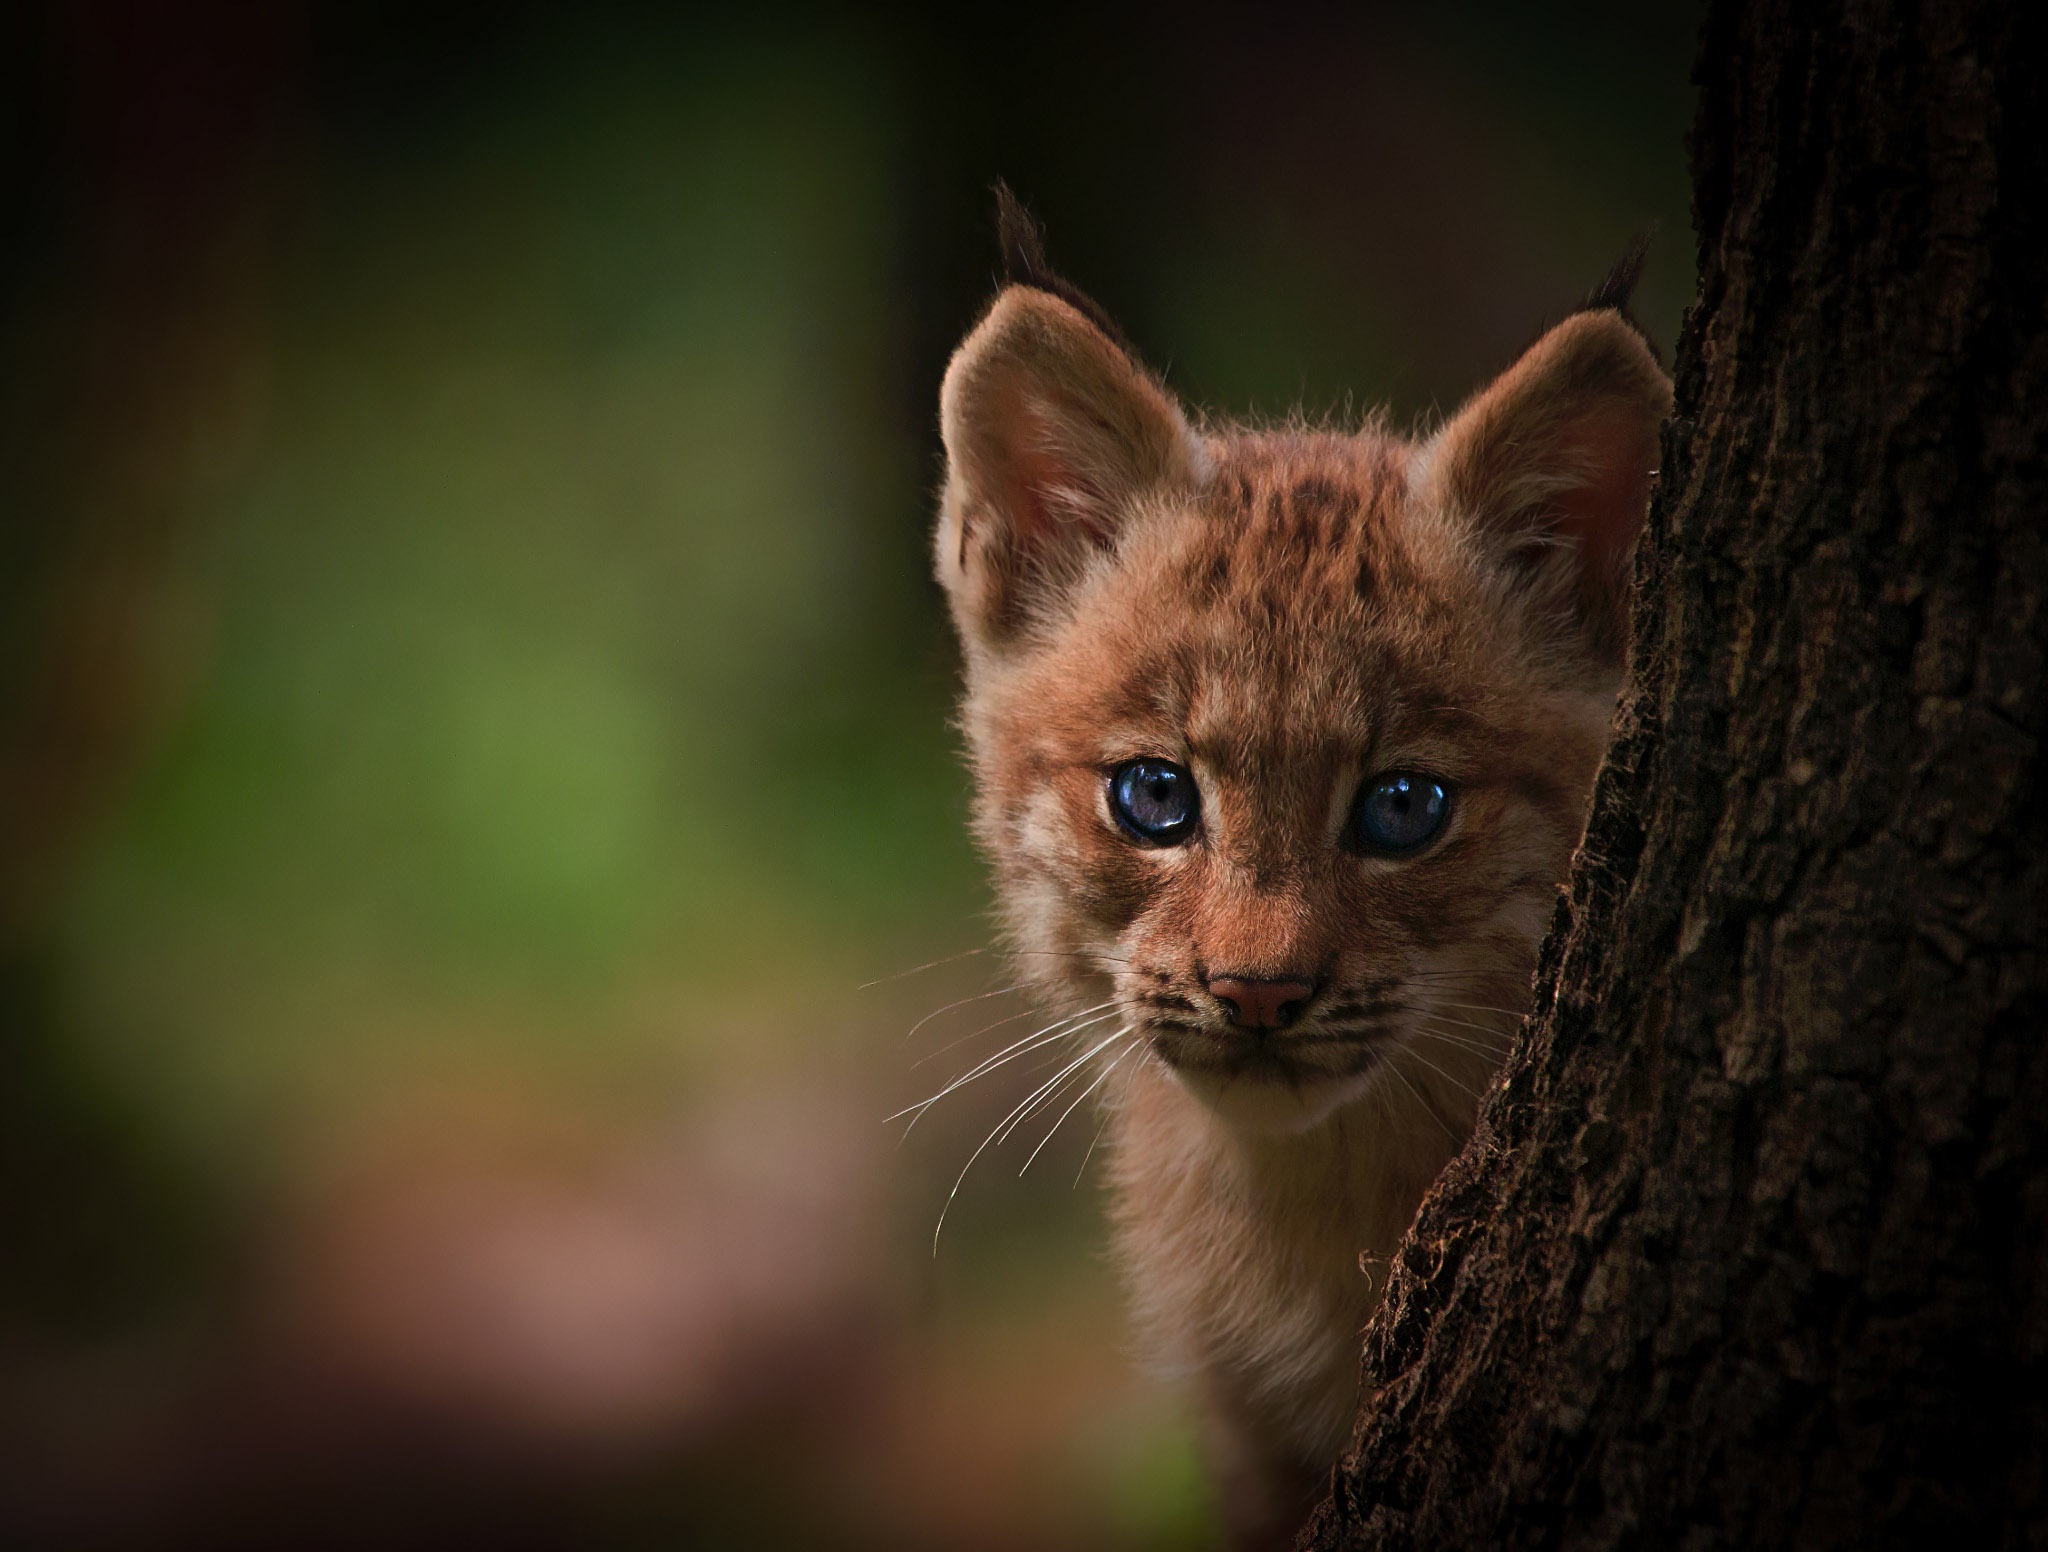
554	640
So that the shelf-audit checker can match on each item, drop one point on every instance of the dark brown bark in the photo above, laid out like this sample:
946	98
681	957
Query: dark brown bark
1748	1251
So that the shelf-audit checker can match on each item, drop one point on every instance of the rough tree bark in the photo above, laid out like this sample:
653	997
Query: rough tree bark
1748	1251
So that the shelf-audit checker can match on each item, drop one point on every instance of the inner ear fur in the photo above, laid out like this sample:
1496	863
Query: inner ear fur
1054	438
1551	464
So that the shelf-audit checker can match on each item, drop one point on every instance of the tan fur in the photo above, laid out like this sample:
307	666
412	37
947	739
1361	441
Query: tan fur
1286	614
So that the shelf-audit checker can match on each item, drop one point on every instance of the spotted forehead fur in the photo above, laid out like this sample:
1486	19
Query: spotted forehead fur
1297	607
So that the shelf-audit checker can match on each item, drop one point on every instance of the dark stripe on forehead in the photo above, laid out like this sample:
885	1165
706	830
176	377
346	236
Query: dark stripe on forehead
1315	496
1231	493
1208	573
1302	529
1365	581
1154	684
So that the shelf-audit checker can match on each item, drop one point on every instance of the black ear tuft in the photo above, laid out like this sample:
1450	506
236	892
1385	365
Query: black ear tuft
1613	292
1620	284
1022	241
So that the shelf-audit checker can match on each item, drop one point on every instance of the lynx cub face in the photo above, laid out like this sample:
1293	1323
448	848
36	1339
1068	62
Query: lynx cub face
1282	742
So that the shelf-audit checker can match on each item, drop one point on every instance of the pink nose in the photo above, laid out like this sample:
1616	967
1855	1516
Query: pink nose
1260	1004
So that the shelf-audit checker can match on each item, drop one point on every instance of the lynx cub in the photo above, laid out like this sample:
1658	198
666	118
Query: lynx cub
1282	741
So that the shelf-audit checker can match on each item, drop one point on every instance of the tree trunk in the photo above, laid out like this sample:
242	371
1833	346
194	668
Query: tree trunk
1748	1250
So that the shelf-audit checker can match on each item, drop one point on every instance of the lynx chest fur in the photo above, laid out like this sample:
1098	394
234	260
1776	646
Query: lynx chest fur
1282	742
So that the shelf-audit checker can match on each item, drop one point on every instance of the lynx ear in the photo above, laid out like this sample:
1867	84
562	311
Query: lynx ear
1055	438
1552	464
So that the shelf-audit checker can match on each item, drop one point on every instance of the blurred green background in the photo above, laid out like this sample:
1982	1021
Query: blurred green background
474	721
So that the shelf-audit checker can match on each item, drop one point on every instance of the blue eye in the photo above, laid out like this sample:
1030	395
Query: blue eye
1399	812
1155	801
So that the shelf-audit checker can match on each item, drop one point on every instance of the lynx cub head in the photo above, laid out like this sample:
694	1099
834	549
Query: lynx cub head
1282	739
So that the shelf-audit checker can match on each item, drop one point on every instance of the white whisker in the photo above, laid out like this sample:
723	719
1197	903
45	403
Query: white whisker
1000	991
1484	1029
1012	1117
1401	1078
1088	956
1058	1080
1496	1048
1100	1127
1485	1007
1456	1083
933	964
1075	1102
1059	1029
960	1040
1487	1054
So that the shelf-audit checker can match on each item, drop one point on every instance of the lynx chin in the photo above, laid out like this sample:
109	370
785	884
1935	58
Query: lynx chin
1282	740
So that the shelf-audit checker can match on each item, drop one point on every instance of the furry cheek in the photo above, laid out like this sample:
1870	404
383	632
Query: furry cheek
1100	880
